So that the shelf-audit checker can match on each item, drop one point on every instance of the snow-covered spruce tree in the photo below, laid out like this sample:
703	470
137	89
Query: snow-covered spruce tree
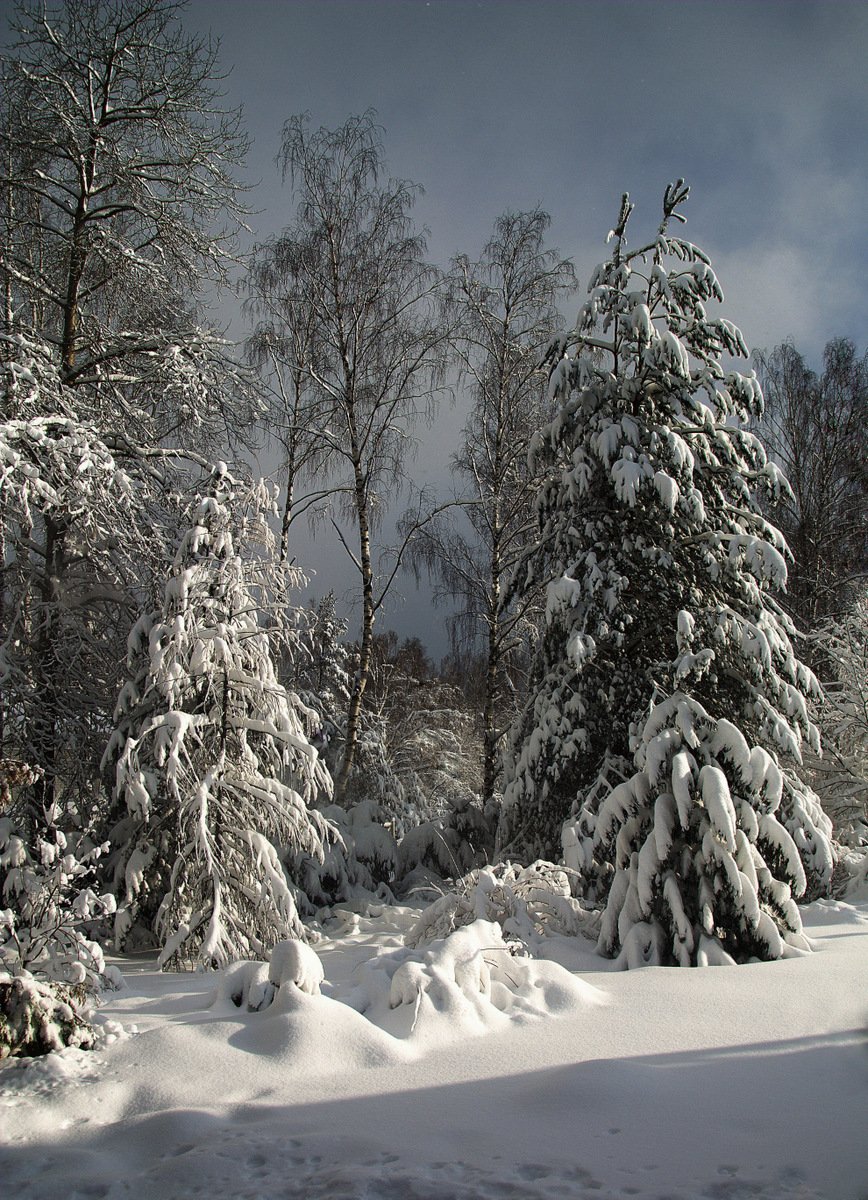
212	757
667	691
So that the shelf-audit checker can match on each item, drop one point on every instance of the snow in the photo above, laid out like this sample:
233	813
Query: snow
294	962
725	1083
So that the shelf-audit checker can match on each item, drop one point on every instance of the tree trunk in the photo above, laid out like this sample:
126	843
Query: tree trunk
489	714
368	612
45	712
77	261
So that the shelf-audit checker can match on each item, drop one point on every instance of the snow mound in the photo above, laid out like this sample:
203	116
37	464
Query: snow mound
461	986
25	1080
293	961
276	1009
252	986
396	1001
472	980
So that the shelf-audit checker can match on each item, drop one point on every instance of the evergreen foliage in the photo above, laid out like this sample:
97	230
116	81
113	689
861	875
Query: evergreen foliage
213	759
668	697
37	1017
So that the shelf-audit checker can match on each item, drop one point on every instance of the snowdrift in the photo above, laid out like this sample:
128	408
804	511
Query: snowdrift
369	1069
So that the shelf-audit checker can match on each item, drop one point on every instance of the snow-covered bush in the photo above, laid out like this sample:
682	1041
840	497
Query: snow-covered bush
37	1017
212	756
415	775
527	903
839	777
373	779
321	669
434	747
418	752
666	664
373	846
456	986
432	743
360	857
49	905
451	845
252	986
472	977
50	969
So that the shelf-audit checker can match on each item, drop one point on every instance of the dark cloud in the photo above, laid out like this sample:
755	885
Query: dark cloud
762	107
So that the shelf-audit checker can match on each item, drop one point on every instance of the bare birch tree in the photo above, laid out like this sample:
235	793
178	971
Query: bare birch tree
503	309
281	348
373	352
815	427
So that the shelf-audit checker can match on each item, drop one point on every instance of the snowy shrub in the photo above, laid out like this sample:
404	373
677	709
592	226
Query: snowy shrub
359	858
527	903
413	764
416	754
472	978
435	847
212	756
456	986
373	846
462	965
321	669
49	905
431	742
373	778
293	962
37	1017
851	880
840	647
252	986
664	646
450	846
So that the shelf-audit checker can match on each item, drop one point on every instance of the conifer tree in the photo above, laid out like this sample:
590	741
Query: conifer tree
669	707
213	759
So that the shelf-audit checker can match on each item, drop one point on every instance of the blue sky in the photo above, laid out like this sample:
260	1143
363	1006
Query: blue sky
761	105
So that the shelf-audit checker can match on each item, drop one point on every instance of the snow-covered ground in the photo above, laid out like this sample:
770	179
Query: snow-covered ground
491	1076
